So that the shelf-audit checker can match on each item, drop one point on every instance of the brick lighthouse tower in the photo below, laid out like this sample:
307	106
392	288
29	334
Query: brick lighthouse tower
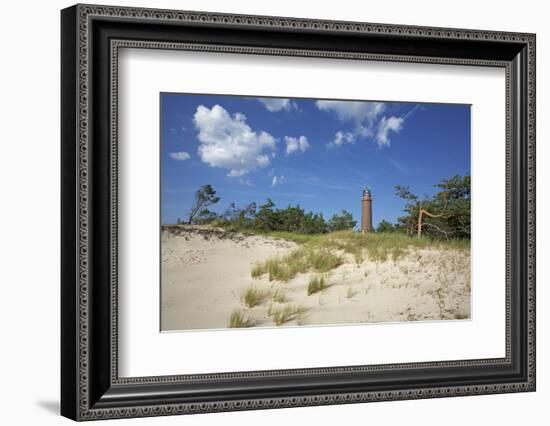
366	211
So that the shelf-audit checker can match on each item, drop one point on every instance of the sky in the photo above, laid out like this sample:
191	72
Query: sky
319	154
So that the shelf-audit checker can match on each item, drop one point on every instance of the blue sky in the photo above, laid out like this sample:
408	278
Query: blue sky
319	154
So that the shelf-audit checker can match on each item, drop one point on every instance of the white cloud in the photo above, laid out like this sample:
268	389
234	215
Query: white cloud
296	144
277	180
387	125
360	112
368	119
228	142
341	138
278	104
182	155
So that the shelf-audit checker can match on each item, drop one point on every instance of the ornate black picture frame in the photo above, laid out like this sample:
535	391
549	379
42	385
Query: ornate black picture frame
91	388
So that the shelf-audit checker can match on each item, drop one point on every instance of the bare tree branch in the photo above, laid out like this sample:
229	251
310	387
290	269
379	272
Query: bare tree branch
427	213
437	228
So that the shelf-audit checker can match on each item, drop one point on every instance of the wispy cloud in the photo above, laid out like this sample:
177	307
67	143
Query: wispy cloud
277	180
181	156
387	125
356	111
403	168
369	120
278	104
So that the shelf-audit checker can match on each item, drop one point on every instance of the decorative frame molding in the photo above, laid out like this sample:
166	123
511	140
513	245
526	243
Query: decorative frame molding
91	37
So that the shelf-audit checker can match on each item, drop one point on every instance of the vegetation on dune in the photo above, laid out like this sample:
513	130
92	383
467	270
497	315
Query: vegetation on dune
204	198
252	296
267	218
316	284
324	252
378	246
446	215
300	260
441	221
285	313
239	319
279	296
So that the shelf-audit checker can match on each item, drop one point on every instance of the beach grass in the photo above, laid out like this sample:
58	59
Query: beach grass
239	319
300	260
316	284
252	296
285	313
279	296
323	252
379	246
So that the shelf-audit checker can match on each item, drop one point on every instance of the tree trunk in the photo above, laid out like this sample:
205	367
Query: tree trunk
427	213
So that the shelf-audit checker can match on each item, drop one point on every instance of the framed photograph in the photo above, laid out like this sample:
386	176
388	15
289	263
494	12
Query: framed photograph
263	212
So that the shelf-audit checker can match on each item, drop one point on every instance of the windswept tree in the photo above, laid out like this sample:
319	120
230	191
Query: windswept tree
204	198
341	222
445	215
266	218
239	217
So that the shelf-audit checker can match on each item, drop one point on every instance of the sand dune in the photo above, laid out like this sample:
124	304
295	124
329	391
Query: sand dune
206	271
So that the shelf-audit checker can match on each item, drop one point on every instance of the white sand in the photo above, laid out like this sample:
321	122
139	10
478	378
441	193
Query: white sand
204	275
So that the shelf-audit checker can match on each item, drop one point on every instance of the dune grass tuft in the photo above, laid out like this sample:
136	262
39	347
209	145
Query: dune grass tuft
316	284
279	296
300	260
257	270
285	313
239	319
252	296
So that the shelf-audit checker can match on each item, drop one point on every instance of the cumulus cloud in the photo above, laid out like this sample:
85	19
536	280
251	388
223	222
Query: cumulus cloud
278	104
296	144
182	155
387	125
368	119
228	142
341	138
277	180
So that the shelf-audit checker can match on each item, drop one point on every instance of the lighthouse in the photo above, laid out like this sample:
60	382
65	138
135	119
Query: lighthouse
366	211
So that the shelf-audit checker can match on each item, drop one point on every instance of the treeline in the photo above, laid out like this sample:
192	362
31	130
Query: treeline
445	215
265	217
